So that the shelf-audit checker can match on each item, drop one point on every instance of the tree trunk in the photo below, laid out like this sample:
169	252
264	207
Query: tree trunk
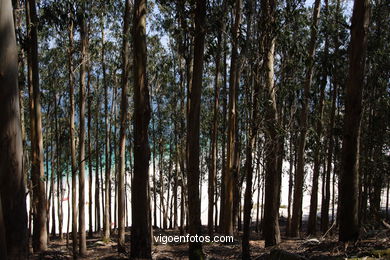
13	215
72	138
97	163
271	232
60	191
107	182
82	234
348	185
37	169
300	173
141	233
224	117
90	179
251	147
231	163
214	133
193	129
312	222
123	127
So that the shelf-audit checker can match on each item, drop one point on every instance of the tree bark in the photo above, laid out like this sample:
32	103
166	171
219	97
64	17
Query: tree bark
312	222
37	168
123	127
82	233
348	185
90	178
72	137
193	129
300	172
107	181
271	232
13	214
251	146
141	233
231	163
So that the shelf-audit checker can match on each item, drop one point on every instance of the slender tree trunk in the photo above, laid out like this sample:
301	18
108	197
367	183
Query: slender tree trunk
51	200
299	174
290	183
214	133
271	232
107	182
72	138
141	230
82	233
231	164
60	192
97	164
224	116
193	129
249	172
37	169
312	222
326	178
90	179
259	177
123	127
250	149
348	185
13	215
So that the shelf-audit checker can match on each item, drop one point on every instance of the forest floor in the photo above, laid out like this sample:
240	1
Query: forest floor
374	245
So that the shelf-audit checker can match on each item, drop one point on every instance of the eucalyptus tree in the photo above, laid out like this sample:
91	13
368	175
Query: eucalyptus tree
349	178
37	167
141	244
13	215
123	126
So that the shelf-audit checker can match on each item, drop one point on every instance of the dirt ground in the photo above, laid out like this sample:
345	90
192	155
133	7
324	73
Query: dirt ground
374	245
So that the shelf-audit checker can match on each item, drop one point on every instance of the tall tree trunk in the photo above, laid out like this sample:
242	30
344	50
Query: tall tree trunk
224	121
251	146
312	222
214	133
60	192
37	169
290	183
141	229
330	137
82	233
107	182
90	179
348	185
299	174
13	214
97	164
231	163
123	127
193	129
271	232
326	175
72	138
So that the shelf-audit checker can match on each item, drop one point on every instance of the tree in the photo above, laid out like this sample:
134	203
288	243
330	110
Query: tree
250	149
300	172
83	62
231	163
193	126
72	135
349	178
13	214
141	244
37	169
271	230
123	127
